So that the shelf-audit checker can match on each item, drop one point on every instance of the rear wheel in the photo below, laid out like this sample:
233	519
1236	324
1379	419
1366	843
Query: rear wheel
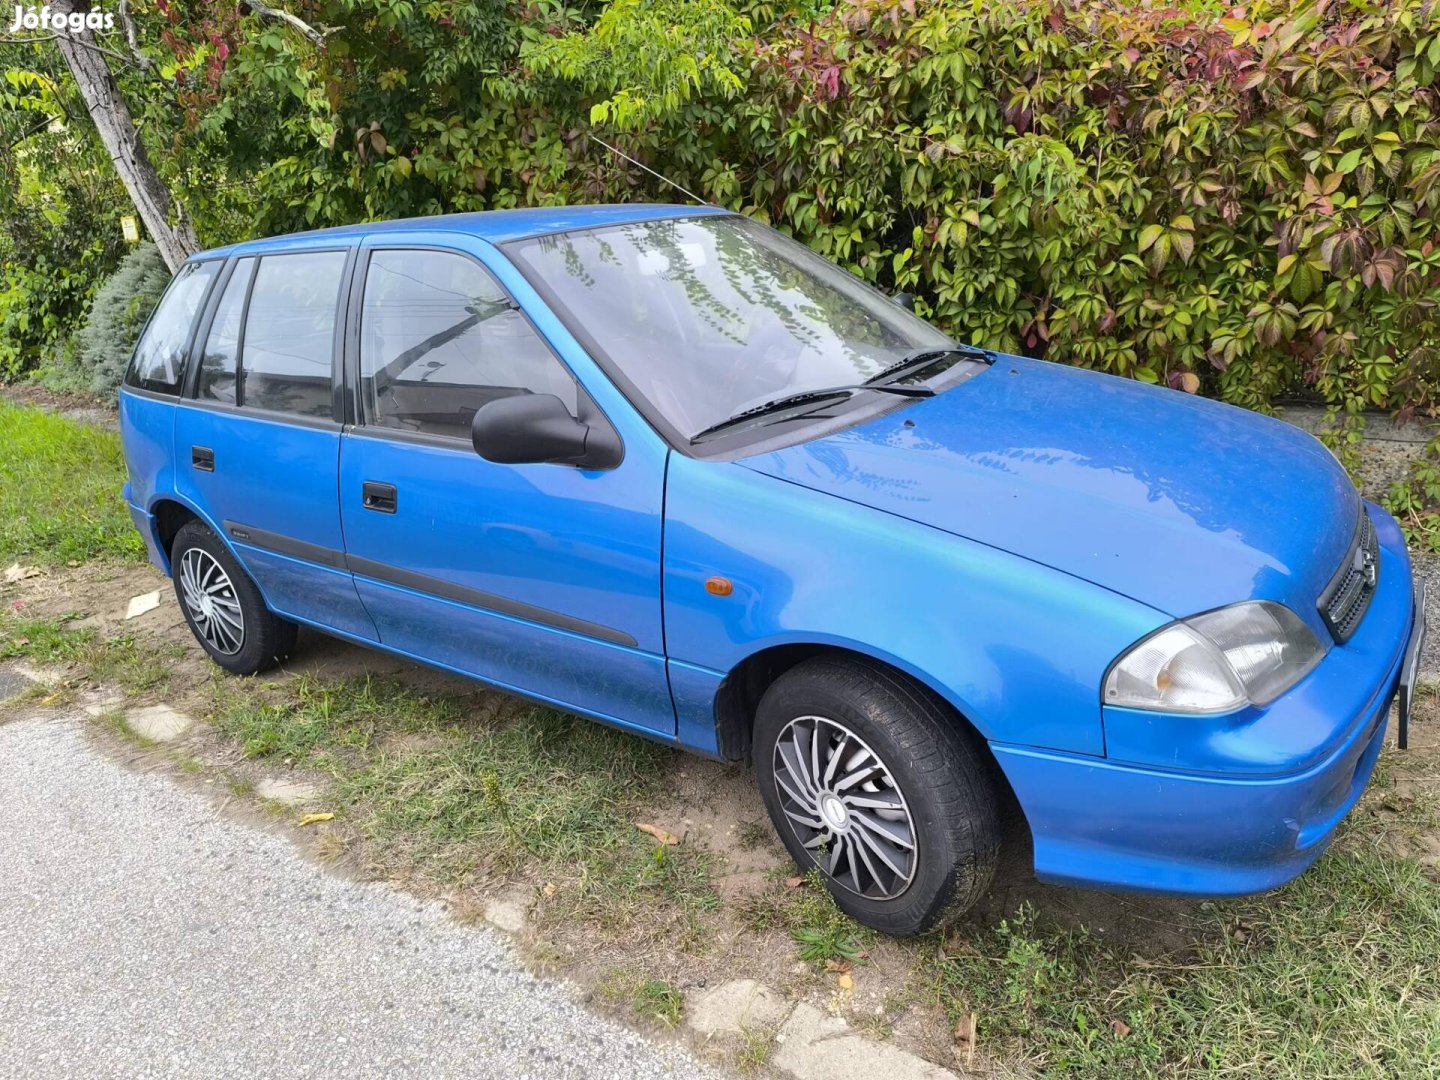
872	780
222	605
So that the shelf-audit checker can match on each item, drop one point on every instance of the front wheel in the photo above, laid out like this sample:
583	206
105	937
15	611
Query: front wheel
223	607
870	778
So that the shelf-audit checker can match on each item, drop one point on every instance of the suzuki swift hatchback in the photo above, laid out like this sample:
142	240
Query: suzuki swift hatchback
667	468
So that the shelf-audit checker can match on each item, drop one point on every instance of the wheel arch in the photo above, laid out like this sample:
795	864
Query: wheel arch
740	692
168	517
169	513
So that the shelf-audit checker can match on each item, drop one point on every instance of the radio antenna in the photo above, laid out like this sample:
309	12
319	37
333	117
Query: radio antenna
652	172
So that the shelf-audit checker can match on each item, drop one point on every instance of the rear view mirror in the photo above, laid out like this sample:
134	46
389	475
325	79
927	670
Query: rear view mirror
903	299
537	428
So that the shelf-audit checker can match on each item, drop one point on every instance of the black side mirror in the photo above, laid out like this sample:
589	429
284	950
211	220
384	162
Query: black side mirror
529	429
903	299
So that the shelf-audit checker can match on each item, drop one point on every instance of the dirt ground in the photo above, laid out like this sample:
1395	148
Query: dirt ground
81	409
711	805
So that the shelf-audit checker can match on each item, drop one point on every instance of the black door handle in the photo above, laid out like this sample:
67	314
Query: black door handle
202	458
379	497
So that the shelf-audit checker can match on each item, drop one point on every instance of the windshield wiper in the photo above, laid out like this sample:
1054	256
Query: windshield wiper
923	358
807	397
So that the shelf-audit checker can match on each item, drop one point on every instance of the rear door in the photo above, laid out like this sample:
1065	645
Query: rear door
257	436
543	578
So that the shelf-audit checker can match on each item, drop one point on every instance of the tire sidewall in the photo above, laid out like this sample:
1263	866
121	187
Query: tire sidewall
929	897
251	655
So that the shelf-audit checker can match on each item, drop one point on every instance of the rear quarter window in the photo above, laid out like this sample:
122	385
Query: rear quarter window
159	361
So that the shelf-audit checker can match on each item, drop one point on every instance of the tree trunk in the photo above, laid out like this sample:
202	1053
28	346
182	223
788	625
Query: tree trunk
117	131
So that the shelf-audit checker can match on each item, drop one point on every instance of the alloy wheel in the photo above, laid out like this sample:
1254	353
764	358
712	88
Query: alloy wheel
211	602
844	806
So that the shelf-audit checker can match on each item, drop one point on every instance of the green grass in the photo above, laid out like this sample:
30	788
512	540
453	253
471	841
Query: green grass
1335	976
835	943
45	641
534	790
539	784
114	661
658	1000
652	1000
544	785
820	930
60	491
755	1051
319	718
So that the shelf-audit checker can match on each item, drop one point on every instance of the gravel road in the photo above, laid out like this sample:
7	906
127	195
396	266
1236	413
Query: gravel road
143	935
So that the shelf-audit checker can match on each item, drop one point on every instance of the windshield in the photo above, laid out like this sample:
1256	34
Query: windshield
706	317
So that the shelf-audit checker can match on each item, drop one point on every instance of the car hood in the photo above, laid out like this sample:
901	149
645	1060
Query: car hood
1181	503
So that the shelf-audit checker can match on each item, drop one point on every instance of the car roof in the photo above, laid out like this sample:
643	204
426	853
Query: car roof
496	226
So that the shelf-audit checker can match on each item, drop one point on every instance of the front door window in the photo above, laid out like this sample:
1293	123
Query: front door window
439	339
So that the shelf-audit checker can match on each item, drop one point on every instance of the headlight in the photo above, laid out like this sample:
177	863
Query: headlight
1250	653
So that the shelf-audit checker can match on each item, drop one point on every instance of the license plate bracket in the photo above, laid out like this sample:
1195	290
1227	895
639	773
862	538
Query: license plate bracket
1409	669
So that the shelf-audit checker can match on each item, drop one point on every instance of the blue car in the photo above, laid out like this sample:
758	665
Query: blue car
667	468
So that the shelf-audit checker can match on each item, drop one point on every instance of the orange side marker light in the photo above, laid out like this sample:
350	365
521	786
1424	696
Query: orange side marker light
719	586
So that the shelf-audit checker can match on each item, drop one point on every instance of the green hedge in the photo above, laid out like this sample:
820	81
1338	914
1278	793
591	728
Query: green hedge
1239	202
1245	205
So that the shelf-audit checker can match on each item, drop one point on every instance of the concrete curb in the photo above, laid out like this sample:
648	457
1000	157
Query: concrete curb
809	1044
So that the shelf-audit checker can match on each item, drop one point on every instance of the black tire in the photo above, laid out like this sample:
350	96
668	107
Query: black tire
951	807
261	640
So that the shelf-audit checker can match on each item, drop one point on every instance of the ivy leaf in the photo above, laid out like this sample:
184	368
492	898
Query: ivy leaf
1305	283
1184	243
1350	162
1149	235
1160	253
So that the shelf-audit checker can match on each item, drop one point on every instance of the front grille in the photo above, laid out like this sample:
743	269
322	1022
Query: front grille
1343	603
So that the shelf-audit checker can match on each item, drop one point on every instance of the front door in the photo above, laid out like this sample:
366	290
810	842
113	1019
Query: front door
541	578
257	439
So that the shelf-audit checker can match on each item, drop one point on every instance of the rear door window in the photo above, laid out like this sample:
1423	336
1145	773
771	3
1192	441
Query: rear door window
159	361
220	359
288	345
439	339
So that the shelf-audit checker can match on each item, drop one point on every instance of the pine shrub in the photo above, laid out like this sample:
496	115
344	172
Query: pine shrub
102	347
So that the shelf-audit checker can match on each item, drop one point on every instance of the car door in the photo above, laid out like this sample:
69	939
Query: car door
544	578
257	435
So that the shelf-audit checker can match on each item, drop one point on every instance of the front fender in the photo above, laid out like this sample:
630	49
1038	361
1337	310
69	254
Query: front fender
1018	648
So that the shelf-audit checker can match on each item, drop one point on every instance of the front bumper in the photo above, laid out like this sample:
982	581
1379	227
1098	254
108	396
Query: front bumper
1232	810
